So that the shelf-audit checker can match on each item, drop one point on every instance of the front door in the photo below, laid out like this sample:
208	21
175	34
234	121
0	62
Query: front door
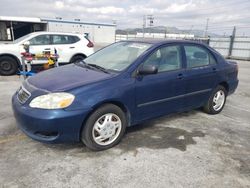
161	93
39	45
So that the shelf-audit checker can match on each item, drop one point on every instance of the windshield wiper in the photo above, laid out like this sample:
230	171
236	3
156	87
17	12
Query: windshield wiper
84	64
99	68
91	66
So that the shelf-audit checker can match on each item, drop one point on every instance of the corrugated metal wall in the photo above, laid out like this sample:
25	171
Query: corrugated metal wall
221	45
240	47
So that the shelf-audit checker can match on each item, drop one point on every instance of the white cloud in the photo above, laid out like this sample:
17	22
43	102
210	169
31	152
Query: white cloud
141	9
105	10
59	4
129	13
175	8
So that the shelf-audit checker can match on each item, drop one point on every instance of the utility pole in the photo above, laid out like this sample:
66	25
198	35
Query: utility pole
191	29
206	29
232	37
151	21
143	24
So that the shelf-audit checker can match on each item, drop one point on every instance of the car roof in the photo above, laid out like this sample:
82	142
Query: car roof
165	41
55	33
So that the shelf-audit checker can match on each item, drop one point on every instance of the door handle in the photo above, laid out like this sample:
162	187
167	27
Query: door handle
180	76
72	47
214	69
46	49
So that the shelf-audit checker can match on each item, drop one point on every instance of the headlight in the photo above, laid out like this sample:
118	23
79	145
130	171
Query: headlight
52	101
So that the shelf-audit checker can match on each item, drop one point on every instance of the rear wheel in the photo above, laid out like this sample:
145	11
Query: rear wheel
216	101
8	66
104	128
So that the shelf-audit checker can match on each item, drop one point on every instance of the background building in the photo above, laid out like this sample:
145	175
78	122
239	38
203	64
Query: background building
12	28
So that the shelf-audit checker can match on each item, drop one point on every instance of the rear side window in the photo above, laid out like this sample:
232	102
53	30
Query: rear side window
64	39
197	57
40	40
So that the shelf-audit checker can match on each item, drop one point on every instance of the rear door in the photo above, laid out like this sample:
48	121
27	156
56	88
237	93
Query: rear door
161	93
201	74
65	46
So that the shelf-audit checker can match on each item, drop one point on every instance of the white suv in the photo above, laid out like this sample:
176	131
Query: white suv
70	48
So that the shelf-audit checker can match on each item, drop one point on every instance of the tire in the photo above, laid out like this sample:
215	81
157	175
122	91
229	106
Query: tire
210	106
77	58
8	66
90	134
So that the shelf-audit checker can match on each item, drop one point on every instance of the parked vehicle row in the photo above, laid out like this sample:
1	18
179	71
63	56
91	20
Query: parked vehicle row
70	47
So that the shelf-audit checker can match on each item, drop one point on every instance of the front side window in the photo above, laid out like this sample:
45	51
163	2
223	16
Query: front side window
40	40
118	56
165	59
197	56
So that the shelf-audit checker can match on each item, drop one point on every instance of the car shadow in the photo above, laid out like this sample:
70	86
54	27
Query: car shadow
149	135
153	134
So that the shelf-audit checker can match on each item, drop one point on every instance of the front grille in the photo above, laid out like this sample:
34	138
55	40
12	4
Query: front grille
23	95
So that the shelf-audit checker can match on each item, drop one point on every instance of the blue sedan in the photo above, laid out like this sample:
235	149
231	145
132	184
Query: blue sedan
122	85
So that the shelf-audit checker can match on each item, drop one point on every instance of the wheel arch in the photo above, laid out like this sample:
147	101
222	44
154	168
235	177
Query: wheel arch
12	56
225	85
122	106
77	54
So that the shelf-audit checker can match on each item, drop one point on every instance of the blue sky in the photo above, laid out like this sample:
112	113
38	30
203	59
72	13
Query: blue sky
184	14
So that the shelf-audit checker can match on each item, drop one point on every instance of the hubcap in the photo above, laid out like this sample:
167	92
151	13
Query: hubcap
106	129
218	100
5	65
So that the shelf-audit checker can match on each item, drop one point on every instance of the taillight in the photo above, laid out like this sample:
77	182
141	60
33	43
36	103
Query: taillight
90	44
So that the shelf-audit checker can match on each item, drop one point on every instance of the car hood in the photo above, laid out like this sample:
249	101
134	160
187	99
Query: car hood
66	77
7	45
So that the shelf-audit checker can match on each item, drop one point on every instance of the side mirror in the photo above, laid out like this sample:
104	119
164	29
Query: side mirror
26	43
147	69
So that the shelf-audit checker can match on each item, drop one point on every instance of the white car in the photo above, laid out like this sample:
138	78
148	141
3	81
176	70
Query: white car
70	48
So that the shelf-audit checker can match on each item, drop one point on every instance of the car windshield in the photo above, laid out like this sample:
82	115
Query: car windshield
117	56
21	38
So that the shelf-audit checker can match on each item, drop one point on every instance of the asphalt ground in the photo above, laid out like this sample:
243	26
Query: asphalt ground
191	149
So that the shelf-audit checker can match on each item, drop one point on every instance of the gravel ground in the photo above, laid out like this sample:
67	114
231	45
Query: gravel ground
190	149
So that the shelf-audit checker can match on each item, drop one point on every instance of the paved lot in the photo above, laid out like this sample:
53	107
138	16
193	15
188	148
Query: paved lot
191	149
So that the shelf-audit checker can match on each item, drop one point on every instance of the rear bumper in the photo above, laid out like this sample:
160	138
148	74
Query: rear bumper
49	126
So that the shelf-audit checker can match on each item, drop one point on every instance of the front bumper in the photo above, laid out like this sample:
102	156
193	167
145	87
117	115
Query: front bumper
49	126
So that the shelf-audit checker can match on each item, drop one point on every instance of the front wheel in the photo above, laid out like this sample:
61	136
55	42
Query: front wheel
216	101
104	128
8	66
